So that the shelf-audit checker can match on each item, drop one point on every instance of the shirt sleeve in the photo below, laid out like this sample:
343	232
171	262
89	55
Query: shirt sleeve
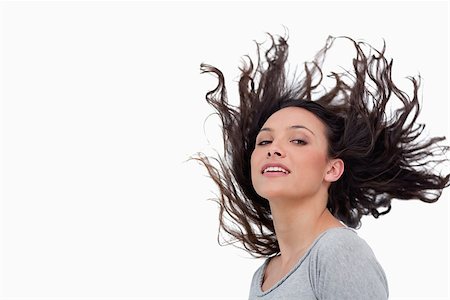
345	267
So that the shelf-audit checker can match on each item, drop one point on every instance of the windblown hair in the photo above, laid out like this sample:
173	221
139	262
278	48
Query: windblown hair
385	154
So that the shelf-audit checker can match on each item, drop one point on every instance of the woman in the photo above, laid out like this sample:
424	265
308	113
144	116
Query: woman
303	164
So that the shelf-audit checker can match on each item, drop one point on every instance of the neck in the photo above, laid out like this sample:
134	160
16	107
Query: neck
298	223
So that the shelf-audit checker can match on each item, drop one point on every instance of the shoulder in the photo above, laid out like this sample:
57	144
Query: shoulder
341	250
341	240
342	263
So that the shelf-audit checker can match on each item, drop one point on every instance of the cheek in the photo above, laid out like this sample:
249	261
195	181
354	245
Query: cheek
315	162
255	163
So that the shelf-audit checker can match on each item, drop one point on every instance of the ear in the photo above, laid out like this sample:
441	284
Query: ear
334	170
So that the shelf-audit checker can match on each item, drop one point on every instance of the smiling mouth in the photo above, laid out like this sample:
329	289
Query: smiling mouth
275	170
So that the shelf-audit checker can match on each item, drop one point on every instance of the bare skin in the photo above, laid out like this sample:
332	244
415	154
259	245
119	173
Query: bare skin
282	264
294	138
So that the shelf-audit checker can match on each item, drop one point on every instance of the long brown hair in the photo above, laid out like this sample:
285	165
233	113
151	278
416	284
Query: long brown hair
385	155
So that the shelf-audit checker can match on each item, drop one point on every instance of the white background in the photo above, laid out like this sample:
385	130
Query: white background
103	103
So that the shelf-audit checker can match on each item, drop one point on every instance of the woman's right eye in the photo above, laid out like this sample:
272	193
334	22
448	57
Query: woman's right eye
265	142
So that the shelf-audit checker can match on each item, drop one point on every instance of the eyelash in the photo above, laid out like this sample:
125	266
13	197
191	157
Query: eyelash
300	142
263	143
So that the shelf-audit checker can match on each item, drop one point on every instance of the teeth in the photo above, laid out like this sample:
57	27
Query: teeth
275	169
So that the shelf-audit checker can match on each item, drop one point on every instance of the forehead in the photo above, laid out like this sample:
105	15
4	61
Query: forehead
290	116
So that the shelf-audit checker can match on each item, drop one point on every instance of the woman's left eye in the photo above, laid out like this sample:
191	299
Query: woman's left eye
299	142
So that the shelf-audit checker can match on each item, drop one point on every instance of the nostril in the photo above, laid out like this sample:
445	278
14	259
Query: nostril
275	153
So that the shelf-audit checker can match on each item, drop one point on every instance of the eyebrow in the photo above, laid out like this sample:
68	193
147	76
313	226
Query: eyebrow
290	127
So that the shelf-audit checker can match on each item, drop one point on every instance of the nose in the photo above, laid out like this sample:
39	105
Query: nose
275	151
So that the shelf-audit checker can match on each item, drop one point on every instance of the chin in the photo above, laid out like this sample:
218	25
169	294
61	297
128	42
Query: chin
274	193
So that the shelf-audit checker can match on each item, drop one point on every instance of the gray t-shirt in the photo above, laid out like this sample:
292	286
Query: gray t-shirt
338	265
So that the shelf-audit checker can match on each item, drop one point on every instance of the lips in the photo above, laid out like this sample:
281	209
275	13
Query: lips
275	168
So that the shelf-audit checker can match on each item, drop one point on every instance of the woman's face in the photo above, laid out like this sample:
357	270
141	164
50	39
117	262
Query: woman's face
290	160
